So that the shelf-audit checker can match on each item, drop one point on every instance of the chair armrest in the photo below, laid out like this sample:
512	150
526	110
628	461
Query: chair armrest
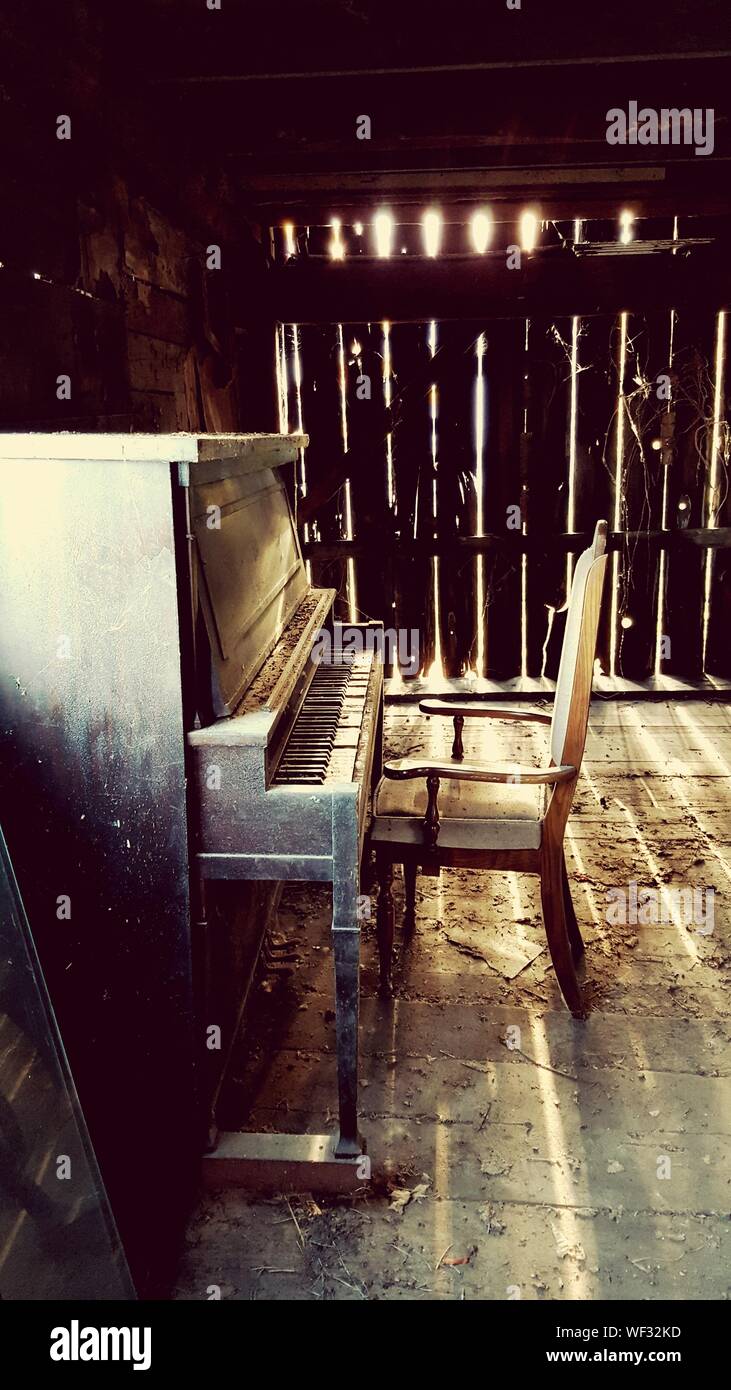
459	712
402	768
451	709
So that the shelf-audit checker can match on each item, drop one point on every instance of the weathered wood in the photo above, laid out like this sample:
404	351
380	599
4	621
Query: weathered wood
282	1163
692	387
648	423
411	452
48	331
319	512
561	1134
545	455
515	543
456	496
548	283
718	648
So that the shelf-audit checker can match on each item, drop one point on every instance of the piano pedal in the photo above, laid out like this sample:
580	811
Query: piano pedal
282	949
279	955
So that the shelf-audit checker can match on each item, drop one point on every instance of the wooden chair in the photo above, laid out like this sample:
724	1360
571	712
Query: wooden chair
519	825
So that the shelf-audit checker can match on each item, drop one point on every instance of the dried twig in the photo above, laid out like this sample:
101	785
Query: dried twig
298	1228
543	1065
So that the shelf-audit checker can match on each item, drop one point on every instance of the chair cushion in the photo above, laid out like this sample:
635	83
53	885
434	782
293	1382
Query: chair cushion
509	814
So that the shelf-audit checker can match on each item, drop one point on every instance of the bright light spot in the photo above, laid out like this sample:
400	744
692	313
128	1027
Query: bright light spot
657	444
289	242
337	246
432	232
35	275
481	231
528	231
682	505
383	229
403	251
358	228
355	348
626	221
627	621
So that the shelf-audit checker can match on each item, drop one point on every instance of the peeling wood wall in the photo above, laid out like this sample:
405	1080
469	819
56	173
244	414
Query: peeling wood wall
131	314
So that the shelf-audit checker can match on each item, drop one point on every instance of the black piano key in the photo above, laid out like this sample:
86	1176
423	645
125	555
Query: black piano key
330	713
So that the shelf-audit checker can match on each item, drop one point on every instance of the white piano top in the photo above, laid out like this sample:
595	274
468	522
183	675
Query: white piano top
150	448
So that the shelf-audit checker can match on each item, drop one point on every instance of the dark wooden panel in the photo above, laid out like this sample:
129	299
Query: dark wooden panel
47	331
554	282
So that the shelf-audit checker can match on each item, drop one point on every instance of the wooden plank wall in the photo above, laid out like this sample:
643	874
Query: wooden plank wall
575	428
119	299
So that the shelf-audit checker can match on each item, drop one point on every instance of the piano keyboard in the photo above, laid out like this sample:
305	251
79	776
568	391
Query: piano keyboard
324	738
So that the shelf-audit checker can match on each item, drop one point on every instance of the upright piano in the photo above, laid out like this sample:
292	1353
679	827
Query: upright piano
288	732
166	720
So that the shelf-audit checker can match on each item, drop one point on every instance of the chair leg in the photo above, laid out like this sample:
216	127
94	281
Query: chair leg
385	923
410	871
572	926
554	920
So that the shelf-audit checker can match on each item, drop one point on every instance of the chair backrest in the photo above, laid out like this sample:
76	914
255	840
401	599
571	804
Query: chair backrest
576	667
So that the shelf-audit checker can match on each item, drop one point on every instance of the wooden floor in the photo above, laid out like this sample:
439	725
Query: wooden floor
567	1160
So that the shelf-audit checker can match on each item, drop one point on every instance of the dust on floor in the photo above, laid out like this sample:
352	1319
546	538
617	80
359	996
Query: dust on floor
516	1151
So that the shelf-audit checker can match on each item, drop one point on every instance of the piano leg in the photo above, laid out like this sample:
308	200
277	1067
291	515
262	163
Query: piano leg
385	923
346	949
346	952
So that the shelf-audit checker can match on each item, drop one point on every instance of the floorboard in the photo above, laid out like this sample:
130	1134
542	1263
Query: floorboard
513	1147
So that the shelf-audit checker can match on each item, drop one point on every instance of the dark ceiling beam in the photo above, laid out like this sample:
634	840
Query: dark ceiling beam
554	205
497	180
510	134
442	69
500	104
552	282
687	189
306	40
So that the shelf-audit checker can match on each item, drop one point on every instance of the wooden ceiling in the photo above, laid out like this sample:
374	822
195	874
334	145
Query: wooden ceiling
466	99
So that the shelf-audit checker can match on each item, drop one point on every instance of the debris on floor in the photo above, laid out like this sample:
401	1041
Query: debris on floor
512	1146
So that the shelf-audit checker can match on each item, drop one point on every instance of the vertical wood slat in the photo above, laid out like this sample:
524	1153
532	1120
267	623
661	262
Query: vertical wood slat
596	426
410	455
718	647
643	474
456	500
504	364
412	463
544	468
366	429
692	387
526	460
321	413
426	520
